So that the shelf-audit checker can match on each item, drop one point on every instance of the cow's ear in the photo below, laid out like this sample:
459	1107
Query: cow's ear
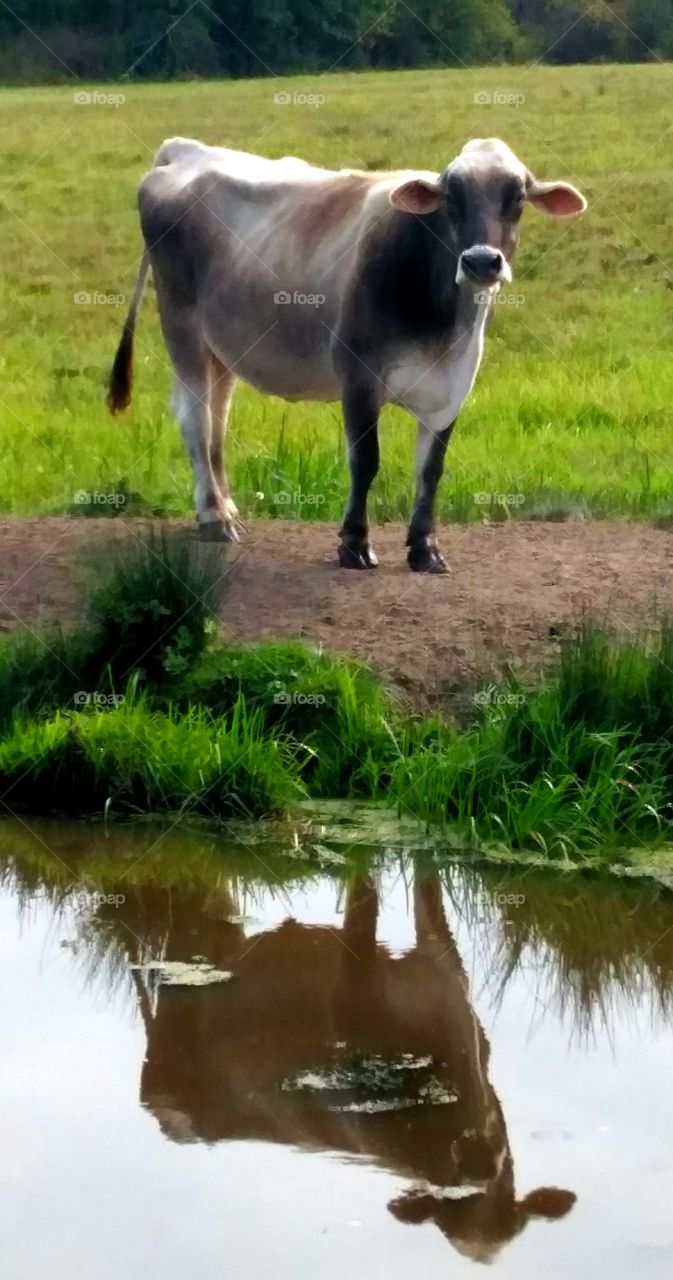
416	195
558	199
547	1202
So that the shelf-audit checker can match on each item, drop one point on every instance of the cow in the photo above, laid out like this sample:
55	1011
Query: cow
371	288
264	1055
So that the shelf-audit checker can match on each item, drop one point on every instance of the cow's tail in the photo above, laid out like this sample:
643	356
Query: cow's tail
121	377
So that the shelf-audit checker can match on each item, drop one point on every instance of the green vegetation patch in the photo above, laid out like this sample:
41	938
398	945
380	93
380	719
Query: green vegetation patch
145	710
133	759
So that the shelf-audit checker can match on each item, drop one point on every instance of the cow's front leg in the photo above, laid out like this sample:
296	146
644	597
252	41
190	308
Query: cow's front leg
424	555
361	421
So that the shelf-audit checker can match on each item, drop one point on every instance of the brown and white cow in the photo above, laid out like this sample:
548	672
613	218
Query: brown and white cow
310	284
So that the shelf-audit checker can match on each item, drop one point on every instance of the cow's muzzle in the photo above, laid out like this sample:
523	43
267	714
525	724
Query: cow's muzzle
483	265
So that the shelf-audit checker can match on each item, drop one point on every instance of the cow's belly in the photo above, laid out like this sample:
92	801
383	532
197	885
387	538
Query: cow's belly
269	367
280	348
314	380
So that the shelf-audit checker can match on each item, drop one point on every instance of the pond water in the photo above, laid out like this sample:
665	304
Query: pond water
214	1064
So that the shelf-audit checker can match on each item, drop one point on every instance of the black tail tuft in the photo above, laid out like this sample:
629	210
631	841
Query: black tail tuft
121	377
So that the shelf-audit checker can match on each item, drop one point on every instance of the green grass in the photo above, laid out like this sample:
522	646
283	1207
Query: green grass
338	710
135	760
573	406
584	760
165	717
530	780
582	763
150	614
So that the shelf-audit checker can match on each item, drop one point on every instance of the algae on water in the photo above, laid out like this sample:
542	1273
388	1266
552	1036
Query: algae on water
180	973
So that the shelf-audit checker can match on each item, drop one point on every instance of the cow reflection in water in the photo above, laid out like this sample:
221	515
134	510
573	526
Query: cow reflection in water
303	1005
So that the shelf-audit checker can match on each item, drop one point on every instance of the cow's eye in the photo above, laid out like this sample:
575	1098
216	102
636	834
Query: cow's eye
513	202
457	200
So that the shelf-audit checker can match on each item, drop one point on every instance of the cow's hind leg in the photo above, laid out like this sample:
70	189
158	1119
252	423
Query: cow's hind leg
191	407
424	555
222	384
361	413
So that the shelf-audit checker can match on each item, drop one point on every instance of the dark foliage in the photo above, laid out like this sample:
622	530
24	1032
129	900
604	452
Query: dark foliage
42	41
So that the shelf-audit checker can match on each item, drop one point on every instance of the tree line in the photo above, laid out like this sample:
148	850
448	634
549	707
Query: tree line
47	40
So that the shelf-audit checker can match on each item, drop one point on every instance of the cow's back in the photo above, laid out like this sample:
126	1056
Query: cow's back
264	253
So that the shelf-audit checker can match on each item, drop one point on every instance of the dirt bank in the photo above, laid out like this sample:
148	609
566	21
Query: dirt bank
511	590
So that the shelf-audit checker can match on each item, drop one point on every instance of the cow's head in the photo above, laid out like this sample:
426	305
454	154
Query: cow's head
479	1224
483	193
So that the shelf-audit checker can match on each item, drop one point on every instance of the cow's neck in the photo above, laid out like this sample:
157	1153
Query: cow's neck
432	373
413	278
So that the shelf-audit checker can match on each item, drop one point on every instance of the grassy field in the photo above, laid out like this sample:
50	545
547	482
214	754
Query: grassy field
573	407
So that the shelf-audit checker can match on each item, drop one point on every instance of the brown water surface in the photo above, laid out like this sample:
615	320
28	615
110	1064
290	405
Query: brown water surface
213	1064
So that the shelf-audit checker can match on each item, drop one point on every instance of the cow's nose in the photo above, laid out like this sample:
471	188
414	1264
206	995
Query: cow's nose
482	264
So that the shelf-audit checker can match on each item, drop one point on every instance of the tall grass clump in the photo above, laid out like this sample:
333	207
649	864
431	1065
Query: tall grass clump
584	761
629	685
40	673
336	709
150	614
135	760
153	609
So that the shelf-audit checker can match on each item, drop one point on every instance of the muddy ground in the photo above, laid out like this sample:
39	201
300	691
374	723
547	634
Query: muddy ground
511	590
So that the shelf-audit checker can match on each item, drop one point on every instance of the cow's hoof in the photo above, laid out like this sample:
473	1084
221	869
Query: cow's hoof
218	531
424	557
358	555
